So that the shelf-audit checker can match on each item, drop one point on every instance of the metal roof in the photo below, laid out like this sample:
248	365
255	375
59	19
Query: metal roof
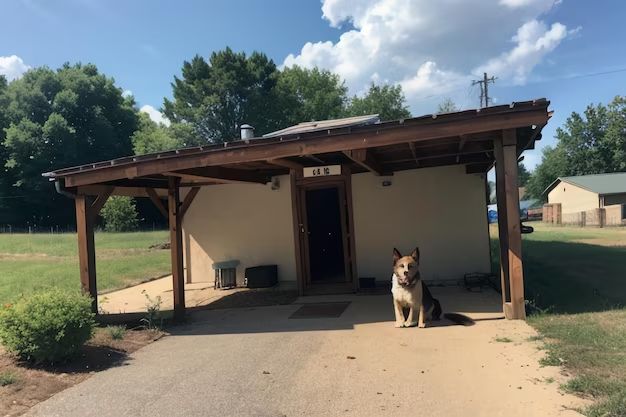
609	183
315	126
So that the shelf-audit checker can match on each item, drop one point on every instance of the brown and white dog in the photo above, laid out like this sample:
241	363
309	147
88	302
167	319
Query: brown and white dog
409	291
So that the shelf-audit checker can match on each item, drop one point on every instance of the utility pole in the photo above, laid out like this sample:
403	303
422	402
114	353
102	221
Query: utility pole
484	88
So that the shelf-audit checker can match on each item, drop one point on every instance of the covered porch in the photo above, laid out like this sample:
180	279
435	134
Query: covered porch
474	139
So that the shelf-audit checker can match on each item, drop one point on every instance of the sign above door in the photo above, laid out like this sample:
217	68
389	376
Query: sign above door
323	171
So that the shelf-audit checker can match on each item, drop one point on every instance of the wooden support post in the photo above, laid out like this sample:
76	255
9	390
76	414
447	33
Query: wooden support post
516	308
294	174
502	223
86	249
176	247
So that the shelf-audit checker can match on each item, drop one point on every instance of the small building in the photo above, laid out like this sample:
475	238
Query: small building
326	202
587	200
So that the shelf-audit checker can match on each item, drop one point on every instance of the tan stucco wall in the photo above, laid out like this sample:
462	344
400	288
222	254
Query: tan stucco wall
248	222
442	210
573	198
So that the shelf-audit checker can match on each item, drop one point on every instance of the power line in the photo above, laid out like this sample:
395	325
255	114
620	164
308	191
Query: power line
484	88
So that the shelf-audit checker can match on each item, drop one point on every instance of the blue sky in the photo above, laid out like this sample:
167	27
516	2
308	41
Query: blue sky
536	48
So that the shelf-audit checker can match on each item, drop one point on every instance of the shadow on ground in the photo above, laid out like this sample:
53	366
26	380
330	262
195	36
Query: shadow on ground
571	277
361	309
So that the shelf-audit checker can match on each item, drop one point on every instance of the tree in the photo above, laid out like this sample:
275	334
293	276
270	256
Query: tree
309	94
592	143
387	101
522	175
119	214
553	165
447	106
153	137
53	120
216	97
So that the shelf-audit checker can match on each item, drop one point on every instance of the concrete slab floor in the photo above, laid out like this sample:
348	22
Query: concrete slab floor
258	362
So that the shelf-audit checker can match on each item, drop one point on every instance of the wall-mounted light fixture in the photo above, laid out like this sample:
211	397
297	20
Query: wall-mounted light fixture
275	183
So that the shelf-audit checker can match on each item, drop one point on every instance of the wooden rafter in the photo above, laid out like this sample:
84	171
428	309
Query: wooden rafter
285	163
314	158
366	159
219	175
311	145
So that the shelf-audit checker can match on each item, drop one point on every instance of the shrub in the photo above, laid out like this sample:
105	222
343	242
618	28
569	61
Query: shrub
7	378
116	332
47	327
119	214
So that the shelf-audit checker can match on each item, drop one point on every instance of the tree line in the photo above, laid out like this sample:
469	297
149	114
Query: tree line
52	119
590	143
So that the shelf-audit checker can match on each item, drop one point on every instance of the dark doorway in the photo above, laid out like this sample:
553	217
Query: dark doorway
325	235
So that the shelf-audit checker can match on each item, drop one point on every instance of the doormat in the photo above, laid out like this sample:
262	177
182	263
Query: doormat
320	310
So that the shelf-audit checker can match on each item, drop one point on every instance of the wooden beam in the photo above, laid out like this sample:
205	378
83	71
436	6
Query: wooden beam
99	202
317	143
314	158
220	175
86	249
188	200
503	236
515	264
285	163
96	190
176	247
366	159
297	231
156	200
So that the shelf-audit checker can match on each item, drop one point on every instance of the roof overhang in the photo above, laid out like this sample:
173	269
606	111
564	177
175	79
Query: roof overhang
461	138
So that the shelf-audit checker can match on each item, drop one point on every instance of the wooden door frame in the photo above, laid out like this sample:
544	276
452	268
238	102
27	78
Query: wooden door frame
299	185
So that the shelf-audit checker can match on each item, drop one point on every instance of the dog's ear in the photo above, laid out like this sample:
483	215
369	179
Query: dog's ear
416	254
396	255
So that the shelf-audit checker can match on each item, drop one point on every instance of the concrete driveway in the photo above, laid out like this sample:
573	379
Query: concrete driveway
258	362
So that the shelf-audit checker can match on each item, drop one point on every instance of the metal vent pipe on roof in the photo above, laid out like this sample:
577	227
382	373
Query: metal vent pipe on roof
247	131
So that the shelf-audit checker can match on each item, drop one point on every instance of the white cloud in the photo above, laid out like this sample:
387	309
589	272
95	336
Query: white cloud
12	67
127	93
155	115
533	41
433	48
429	79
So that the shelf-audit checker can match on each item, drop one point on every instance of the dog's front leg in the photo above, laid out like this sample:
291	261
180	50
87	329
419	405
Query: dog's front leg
397	308
410	321
422	317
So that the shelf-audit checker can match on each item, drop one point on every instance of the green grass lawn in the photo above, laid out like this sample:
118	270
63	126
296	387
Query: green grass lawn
572	269
578	275
29	262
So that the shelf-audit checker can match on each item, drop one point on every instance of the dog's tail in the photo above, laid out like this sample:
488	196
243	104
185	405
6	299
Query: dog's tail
458	318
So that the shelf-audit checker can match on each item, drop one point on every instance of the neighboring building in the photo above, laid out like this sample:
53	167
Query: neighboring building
597	200
326	202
